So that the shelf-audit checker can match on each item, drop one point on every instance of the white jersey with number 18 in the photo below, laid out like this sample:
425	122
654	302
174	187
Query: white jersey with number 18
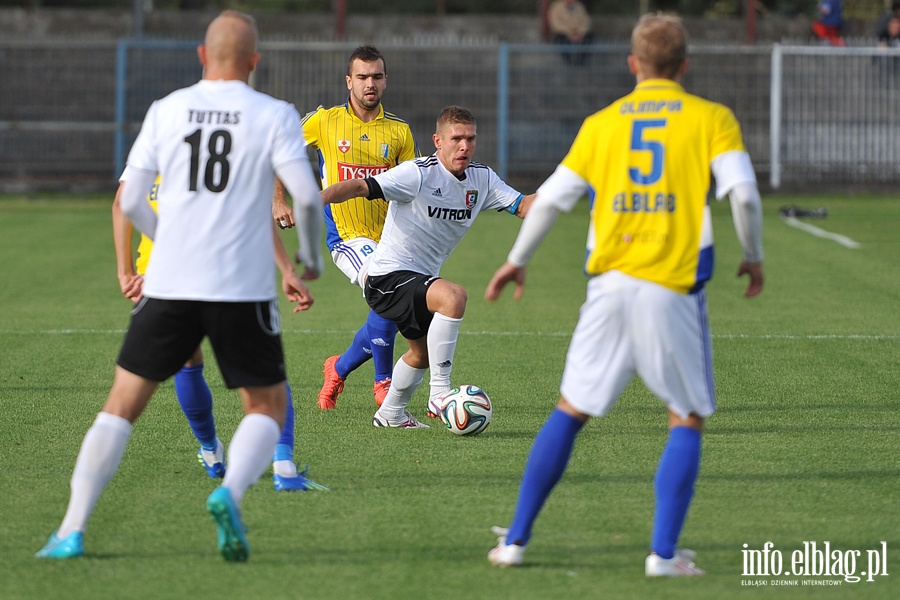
216	145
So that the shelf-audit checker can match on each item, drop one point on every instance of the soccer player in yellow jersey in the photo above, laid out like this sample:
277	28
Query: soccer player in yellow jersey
355	140
644	162
191	388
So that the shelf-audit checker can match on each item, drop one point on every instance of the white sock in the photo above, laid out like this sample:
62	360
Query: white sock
442	336
214	456
285	468
404	383
99	457
249	453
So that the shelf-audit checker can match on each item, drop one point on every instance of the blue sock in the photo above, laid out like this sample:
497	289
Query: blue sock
674	484
284	450
547	461
358	353
196	403
381	333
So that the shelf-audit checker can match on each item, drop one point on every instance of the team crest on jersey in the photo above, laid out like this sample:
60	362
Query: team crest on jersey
344	146
471	198
385	149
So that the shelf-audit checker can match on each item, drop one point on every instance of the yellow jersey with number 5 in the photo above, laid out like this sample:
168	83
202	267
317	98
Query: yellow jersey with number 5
647	158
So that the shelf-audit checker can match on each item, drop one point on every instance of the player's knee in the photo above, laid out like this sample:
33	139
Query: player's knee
458	300
453	301
693	420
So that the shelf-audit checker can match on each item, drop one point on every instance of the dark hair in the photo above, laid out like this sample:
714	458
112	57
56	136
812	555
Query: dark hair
367	53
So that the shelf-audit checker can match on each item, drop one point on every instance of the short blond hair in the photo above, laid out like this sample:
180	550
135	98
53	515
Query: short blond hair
659	43
452	115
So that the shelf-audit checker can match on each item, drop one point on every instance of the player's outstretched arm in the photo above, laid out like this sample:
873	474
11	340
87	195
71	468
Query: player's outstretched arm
525	205
502	277
541	216
344	190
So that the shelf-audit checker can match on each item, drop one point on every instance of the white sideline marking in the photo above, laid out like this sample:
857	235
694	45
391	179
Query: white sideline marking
819	232
724	336
823	336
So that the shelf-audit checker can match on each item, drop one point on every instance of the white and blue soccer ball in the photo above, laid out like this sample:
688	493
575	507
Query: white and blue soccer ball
466	410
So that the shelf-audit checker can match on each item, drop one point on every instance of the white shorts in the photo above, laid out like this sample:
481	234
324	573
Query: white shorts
630	326
352	258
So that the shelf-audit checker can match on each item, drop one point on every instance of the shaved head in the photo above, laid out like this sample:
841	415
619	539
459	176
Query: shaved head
231	40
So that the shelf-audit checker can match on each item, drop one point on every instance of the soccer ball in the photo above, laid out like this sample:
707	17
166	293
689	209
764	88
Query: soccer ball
466	410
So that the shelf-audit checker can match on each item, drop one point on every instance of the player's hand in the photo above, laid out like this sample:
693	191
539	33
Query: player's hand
755	271
297	292
131	286
282	213
504	275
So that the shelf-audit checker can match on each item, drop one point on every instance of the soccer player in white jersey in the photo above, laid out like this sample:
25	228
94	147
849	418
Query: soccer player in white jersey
432	202
217	146
645	164
191	388
355	139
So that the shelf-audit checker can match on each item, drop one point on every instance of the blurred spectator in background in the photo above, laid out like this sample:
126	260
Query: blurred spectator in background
886	26
891	35
829	23
570	24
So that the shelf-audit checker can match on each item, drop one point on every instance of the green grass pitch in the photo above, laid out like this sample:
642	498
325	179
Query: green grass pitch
804	447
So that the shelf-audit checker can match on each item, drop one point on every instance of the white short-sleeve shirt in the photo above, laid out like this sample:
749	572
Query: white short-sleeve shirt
430	210
216	146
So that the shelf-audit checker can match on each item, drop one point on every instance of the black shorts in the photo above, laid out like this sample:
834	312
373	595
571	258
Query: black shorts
400	297
245	336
